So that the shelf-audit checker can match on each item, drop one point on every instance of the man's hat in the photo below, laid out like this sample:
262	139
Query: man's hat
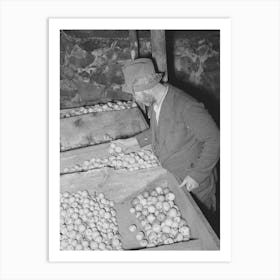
140	75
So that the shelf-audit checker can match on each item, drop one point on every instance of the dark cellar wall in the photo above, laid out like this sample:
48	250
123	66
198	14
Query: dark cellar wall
91	62
193	58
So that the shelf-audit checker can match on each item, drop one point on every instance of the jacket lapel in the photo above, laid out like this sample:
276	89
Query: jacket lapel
153	126
163	116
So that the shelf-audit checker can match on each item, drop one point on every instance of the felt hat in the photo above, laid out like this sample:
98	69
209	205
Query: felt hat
140	75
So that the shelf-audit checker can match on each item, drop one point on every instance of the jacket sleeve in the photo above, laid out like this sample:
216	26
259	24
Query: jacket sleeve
144	138
207	133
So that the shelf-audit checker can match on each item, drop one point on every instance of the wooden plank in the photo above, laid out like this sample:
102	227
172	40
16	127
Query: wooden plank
205	233
116	185
191	245
88	94
159	51
134	49
91	128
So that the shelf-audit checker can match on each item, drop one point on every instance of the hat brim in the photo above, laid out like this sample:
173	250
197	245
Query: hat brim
156	80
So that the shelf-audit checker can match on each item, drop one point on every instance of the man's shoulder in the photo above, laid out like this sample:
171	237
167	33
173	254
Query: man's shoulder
181	97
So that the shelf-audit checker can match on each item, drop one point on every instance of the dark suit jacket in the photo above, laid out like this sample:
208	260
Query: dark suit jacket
186	140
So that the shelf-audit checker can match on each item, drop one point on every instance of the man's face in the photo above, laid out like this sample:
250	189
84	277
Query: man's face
145	97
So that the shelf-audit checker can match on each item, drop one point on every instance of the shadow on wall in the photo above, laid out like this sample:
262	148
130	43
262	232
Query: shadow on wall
193	59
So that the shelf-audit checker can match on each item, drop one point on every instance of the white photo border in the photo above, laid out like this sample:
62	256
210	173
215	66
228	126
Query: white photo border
222	24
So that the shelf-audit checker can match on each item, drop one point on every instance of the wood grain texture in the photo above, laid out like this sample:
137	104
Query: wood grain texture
133	40
116	185
159	51
91	128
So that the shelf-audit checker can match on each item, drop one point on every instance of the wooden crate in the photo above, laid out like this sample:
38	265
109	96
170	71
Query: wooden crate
202	235
91	128
121	186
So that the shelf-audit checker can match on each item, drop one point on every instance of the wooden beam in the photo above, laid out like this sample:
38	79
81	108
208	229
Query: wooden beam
134	46
159	51
191	245
117	185
134	53
91	128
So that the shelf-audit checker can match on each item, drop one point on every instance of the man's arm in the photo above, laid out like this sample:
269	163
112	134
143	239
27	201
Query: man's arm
130	144
141	139
144	138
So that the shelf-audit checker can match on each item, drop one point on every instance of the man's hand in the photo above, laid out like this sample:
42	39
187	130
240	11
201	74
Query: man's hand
190	183
127	145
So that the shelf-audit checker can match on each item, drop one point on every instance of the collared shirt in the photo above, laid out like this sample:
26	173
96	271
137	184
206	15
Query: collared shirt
157	107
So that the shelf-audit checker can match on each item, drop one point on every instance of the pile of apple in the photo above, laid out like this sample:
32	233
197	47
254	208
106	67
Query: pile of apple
118	160
88	222
160	218
109	106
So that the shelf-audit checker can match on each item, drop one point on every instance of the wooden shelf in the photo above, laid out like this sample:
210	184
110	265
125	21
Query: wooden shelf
89	129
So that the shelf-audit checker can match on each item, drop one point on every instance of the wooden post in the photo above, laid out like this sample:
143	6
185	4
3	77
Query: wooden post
134	49
159	51
134	52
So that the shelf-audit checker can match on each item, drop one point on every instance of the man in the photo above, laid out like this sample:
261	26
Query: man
183	135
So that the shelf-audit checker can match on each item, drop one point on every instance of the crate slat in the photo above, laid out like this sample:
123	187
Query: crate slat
91	128
115	184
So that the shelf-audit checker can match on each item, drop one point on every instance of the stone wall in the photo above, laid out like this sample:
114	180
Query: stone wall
196	59
194	65
91	66
91	62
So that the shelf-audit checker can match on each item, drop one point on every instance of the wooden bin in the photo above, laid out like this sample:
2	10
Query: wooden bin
121	186
202	235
